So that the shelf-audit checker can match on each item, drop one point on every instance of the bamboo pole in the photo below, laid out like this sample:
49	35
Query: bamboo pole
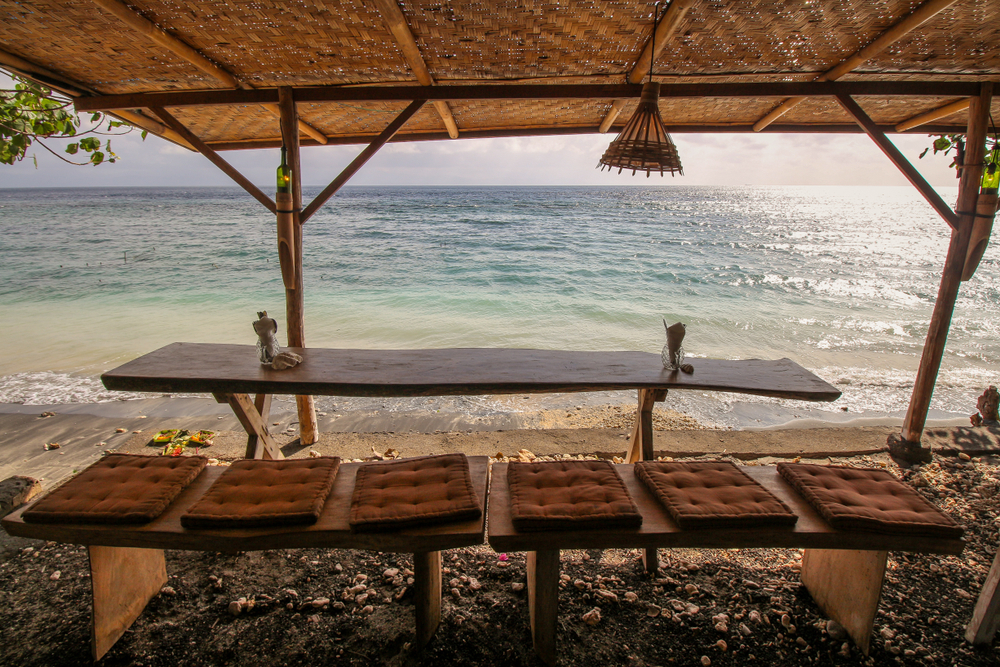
294	297
937	333
933	114
907	24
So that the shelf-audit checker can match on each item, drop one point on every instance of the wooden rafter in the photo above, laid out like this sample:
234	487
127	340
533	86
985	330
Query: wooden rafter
654	47
152	32
214	157
527	91
934	114
73	89
361	159
400	29
890	150
909	23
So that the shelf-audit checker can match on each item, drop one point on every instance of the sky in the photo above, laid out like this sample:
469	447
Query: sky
708	159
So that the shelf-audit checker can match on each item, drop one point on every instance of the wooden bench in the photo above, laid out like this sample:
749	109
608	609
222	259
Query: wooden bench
842	570
128	567
231	373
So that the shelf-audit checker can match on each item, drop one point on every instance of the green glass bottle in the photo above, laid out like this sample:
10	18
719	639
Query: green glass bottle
991	174
284	173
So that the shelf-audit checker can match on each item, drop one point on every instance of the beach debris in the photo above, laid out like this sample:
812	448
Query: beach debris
166	435
52	445
525	456
672	354
46	414
202	438
120	430
988	405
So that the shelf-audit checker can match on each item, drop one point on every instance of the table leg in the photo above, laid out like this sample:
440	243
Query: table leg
846	585
123	580
255	447
986	616
253	423
543	601
427	594
641	449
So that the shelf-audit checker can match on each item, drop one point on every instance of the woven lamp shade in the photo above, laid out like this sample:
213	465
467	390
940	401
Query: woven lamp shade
644	145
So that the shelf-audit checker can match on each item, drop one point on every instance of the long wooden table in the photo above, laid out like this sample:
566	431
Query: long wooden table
232	372
843	570
128	566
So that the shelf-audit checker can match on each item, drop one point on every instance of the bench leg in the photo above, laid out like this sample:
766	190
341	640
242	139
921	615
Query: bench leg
427	594
543	602
847	586
253	423
986	616
650	561
123	580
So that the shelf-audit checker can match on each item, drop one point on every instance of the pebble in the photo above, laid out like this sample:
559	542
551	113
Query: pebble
320	602
338	568
745	630
55	575
592	617
801	642
581	584
887	633
631	597
706	661
455	583
690	589
314	618
517	586
754	616
653	611
168	590
456	593
836	630
391	573
607	595
361	599
721	627
368	609
721	645
964	456
474	584
235	608
845	650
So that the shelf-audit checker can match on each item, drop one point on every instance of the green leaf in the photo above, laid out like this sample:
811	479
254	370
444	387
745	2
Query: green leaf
941	144
72	148
143	135
924	152
94	117
97	158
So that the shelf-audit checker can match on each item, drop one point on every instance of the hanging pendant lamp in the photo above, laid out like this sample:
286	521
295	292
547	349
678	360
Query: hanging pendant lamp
644	145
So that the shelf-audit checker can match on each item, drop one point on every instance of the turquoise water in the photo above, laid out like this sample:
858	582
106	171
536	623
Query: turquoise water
840	279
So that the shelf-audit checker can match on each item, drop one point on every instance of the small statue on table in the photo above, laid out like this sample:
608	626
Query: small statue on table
268	350
672	354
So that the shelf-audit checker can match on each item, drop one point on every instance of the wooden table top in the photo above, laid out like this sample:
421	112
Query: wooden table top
332	530
659	529
217	368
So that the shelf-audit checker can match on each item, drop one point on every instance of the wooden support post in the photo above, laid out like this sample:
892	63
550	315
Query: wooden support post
123	580
255	446
253	424
361	159
937	333
427	595
294	296
543	602
986	616
847	586
641	448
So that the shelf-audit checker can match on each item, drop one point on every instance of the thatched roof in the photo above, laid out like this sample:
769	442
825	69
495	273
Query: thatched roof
335	54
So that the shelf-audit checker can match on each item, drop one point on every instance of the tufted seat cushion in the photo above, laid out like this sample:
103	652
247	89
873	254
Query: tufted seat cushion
252	494
867	500
118	489
712	494
569	495
413	492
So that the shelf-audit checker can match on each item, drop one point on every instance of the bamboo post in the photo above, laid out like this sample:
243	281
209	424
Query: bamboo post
907	444
294	299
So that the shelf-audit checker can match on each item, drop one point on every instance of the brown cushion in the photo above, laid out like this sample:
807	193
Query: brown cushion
867	500
252	493
118	489
412	492
712	494
569	495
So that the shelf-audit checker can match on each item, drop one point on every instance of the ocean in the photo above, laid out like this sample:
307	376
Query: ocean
840	279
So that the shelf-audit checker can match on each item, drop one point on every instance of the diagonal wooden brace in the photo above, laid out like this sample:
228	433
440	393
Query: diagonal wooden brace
255	425
641	448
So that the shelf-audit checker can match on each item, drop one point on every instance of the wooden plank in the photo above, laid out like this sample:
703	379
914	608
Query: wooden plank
954	264
907	24
543	602
123	580
898	159
847	586
218	368
255	446
527	91
253	423
659	530
986	616
934	114
427	595
214	158
331	531
361	159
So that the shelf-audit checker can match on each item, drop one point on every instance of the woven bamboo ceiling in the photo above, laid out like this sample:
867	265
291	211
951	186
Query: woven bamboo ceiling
354	66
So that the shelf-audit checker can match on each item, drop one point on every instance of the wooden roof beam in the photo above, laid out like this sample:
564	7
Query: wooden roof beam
158	36
74	89
934	114
654	47
400	29
900	29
